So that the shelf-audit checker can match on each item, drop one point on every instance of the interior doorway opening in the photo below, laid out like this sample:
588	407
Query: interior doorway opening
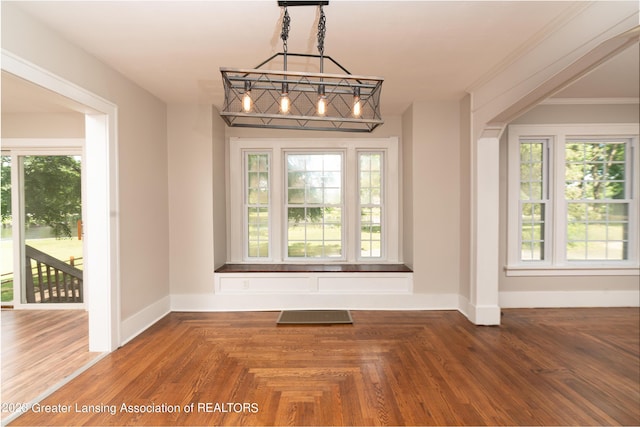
100	224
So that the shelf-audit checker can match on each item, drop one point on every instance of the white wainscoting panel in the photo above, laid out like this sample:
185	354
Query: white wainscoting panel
313	283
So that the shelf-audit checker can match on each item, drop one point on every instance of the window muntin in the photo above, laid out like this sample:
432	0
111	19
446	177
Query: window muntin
370	185
314	205
278	215
533	199
257	200
587	217
596	197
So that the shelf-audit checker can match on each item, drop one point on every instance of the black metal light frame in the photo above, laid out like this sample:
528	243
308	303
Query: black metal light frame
352	101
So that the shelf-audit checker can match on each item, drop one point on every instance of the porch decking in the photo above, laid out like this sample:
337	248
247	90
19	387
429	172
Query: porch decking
40	348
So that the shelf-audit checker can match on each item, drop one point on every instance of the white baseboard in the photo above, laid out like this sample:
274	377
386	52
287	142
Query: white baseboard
277	302
566	299
479	315
134	325
485	315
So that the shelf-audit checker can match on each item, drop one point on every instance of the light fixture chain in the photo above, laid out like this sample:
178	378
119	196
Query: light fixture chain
286	25
322	29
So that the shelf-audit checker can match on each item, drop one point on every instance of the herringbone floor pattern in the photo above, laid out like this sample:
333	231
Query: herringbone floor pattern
540	367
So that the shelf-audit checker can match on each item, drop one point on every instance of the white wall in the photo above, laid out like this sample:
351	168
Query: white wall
408	185
433	160
465	197
42	125
191	212
142	161
220	197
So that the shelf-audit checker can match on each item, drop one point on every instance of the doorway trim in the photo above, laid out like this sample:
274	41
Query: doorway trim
102	263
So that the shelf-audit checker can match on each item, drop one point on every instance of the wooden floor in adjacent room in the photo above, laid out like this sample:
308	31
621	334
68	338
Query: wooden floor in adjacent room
40	348
540	367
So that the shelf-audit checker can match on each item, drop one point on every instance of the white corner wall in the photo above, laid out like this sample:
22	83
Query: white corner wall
434	195
191	202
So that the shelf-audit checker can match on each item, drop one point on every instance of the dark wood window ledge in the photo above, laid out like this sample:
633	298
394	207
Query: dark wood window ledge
313	268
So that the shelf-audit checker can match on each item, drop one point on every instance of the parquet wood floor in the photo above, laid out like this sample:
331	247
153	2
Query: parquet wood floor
40	348
540	367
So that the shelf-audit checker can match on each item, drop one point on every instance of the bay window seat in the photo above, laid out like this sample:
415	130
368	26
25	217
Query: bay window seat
358	279
313	268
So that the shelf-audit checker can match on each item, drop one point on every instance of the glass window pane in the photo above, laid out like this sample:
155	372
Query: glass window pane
313	249
253	249
53	206
525	172
314	198
295	180
365	162
6	242
525	152
595	169
332	196
597	231
576	251
296	249
332	162
296	162
333	249
257	202
532	231
333	232
365	196
376	196
536	190
371	183
295	196
252	196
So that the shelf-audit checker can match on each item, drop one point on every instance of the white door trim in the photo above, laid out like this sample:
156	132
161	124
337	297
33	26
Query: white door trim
102	227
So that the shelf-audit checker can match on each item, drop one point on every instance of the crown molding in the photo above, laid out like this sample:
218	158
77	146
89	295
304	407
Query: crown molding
590	101
534	41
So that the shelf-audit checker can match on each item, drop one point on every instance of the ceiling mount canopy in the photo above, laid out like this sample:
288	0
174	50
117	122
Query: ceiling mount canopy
286	99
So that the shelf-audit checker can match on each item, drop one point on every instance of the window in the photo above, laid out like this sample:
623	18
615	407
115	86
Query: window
597	199
314	200
257	204
314	205
573	201
370	186
533	198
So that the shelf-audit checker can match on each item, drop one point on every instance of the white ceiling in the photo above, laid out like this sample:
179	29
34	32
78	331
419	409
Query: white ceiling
423	49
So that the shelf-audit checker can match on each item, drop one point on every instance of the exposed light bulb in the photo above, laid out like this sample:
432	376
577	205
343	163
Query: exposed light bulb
246	102
285	103
322	106
357	106
246	98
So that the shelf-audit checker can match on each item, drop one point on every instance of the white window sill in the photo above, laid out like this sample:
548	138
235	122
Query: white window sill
573	270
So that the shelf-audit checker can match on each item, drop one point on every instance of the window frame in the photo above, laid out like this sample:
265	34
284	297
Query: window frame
556	222
286	205
383	220
277	149
247	204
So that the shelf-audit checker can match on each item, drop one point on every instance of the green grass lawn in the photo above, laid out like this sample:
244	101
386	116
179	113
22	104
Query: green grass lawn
605	242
